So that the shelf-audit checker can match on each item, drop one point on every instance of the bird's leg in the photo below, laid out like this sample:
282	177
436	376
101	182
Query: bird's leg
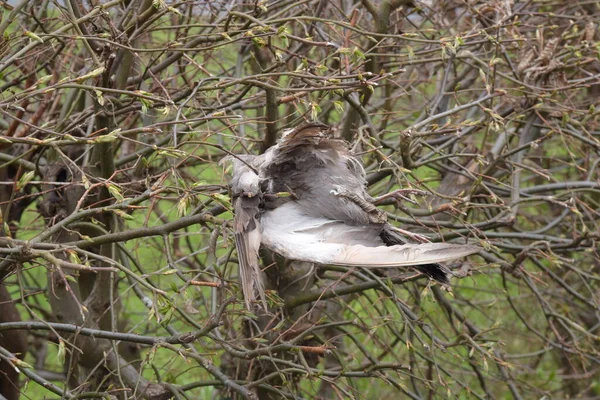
414	236
399	194
376	216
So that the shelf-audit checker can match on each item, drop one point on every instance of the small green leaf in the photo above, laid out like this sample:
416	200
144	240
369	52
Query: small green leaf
25	179
165	110
223	199
258	41
92	74
86	182
109	137
21	364
339	106
320	68
170	272
99	97
315	109
152	313
183	205
123	215
262	6
43	80
151	354
159	4
34	37
115	191
174	10
74	257
146	104
482	76
358	54
171	152
62	351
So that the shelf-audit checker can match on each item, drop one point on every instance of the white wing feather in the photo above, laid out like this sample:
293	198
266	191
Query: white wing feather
296	236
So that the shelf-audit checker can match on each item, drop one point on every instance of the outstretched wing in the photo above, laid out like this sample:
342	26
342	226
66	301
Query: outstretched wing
288	231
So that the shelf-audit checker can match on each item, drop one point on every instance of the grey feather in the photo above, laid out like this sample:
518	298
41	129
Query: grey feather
288	231
247	199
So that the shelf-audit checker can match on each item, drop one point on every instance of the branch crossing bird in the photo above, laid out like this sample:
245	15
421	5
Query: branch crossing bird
306	199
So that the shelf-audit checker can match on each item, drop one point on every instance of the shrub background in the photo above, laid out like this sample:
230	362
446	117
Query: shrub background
116	215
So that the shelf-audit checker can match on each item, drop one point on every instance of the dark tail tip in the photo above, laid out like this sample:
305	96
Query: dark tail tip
434	271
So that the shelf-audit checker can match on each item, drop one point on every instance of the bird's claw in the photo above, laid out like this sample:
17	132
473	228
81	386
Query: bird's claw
400	194
414	236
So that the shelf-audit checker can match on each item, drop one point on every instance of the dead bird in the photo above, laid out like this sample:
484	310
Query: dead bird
306	199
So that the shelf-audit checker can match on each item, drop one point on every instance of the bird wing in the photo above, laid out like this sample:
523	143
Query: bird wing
247	242
324	177
287	230
245	186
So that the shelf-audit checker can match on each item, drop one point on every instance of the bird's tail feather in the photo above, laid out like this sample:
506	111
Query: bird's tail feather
436	272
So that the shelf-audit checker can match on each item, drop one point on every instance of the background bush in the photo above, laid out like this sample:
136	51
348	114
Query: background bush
116	213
